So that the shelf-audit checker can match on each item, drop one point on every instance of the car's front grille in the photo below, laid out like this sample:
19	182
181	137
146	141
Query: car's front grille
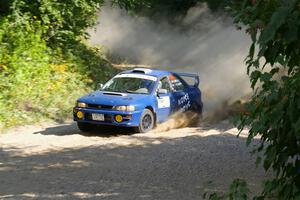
107	118
102	107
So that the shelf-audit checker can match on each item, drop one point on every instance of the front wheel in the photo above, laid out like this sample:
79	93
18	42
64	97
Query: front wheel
147	121
84	127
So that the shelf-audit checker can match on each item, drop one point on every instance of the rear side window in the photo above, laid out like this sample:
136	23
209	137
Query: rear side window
177	83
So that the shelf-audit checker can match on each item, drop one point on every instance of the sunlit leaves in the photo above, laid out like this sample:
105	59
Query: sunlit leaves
62	21
44	66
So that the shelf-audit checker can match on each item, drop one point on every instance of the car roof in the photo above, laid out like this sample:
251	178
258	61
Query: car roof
147	71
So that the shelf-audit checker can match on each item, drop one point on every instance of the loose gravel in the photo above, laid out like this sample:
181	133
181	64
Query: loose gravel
56	161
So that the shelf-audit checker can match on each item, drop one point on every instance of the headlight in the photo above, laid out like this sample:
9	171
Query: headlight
124	108
81	105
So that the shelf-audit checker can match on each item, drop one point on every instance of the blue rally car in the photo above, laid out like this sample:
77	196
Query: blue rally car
139	98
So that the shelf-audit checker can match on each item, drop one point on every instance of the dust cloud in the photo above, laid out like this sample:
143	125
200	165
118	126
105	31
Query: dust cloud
200	42
179	120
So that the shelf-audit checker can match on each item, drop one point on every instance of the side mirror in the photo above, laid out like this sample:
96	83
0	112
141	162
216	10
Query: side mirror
100	86
162	91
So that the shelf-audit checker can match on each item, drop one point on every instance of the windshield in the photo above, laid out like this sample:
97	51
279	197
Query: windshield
129	85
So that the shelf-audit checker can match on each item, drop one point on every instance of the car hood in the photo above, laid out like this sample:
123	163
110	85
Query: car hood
113	98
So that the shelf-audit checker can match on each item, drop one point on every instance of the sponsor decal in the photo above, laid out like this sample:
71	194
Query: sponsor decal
163	102
184	103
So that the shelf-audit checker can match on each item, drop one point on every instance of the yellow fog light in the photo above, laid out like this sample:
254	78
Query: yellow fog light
118	118
80	115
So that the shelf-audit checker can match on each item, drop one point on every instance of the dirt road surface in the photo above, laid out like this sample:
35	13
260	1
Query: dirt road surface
53	161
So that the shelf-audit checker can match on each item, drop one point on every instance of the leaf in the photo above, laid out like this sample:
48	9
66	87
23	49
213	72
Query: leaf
265	77
255	75
274	71
296	127
251	51
258	161
249	139
277	20
291	33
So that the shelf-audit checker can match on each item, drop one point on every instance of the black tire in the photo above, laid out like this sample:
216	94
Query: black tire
84	127
196	115
147	122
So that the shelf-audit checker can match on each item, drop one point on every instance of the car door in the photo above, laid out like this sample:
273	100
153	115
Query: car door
182	101
164	100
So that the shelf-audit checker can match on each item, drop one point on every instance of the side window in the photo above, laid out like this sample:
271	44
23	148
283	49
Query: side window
164	84
177	84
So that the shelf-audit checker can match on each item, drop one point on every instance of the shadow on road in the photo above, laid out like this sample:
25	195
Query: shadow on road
114	131
158	168
100	131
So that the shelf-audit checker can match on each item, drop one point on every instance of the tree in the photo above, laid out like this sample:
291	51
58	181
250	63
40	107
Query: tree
169	8
274	111
60	21
43	58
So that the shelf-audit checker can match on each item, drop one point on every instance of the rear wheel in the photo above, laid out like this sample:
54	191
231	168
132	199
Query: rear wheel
85	127
196	115
147	121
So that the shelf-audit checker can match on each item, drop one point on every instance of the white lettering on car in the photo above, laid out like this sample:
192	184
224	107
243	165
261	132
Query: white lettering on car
184	103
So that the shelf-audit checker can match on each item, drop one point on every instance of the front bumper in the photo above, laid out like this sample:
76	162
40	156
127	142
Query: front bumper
130	119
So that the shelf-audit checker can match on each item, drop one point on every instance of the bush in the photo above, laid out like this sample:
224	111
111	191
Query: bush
39	82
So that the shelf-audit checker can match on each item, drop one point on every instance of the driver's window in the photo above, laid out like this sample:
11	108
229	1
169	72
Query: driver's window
164	84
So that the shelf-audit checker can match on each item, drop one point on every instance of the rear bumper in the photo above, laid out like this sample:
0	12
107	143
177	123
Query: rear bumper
130	119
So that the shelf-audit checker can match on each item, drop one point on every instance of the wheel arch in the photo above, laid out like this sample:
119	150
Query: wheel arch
153	111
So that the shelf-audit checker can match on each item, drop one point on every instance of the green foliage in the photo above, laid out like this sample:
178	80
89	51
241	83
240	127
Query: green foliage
39	77
60	21
274	111
169	8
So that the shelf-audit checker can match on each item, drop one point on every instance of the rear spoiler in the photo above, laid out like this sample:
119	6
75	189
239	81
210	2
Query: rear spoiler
195	76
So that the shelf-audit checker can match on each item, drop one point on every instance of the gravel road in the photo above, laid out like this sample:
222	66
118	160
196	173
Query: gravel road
56	161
